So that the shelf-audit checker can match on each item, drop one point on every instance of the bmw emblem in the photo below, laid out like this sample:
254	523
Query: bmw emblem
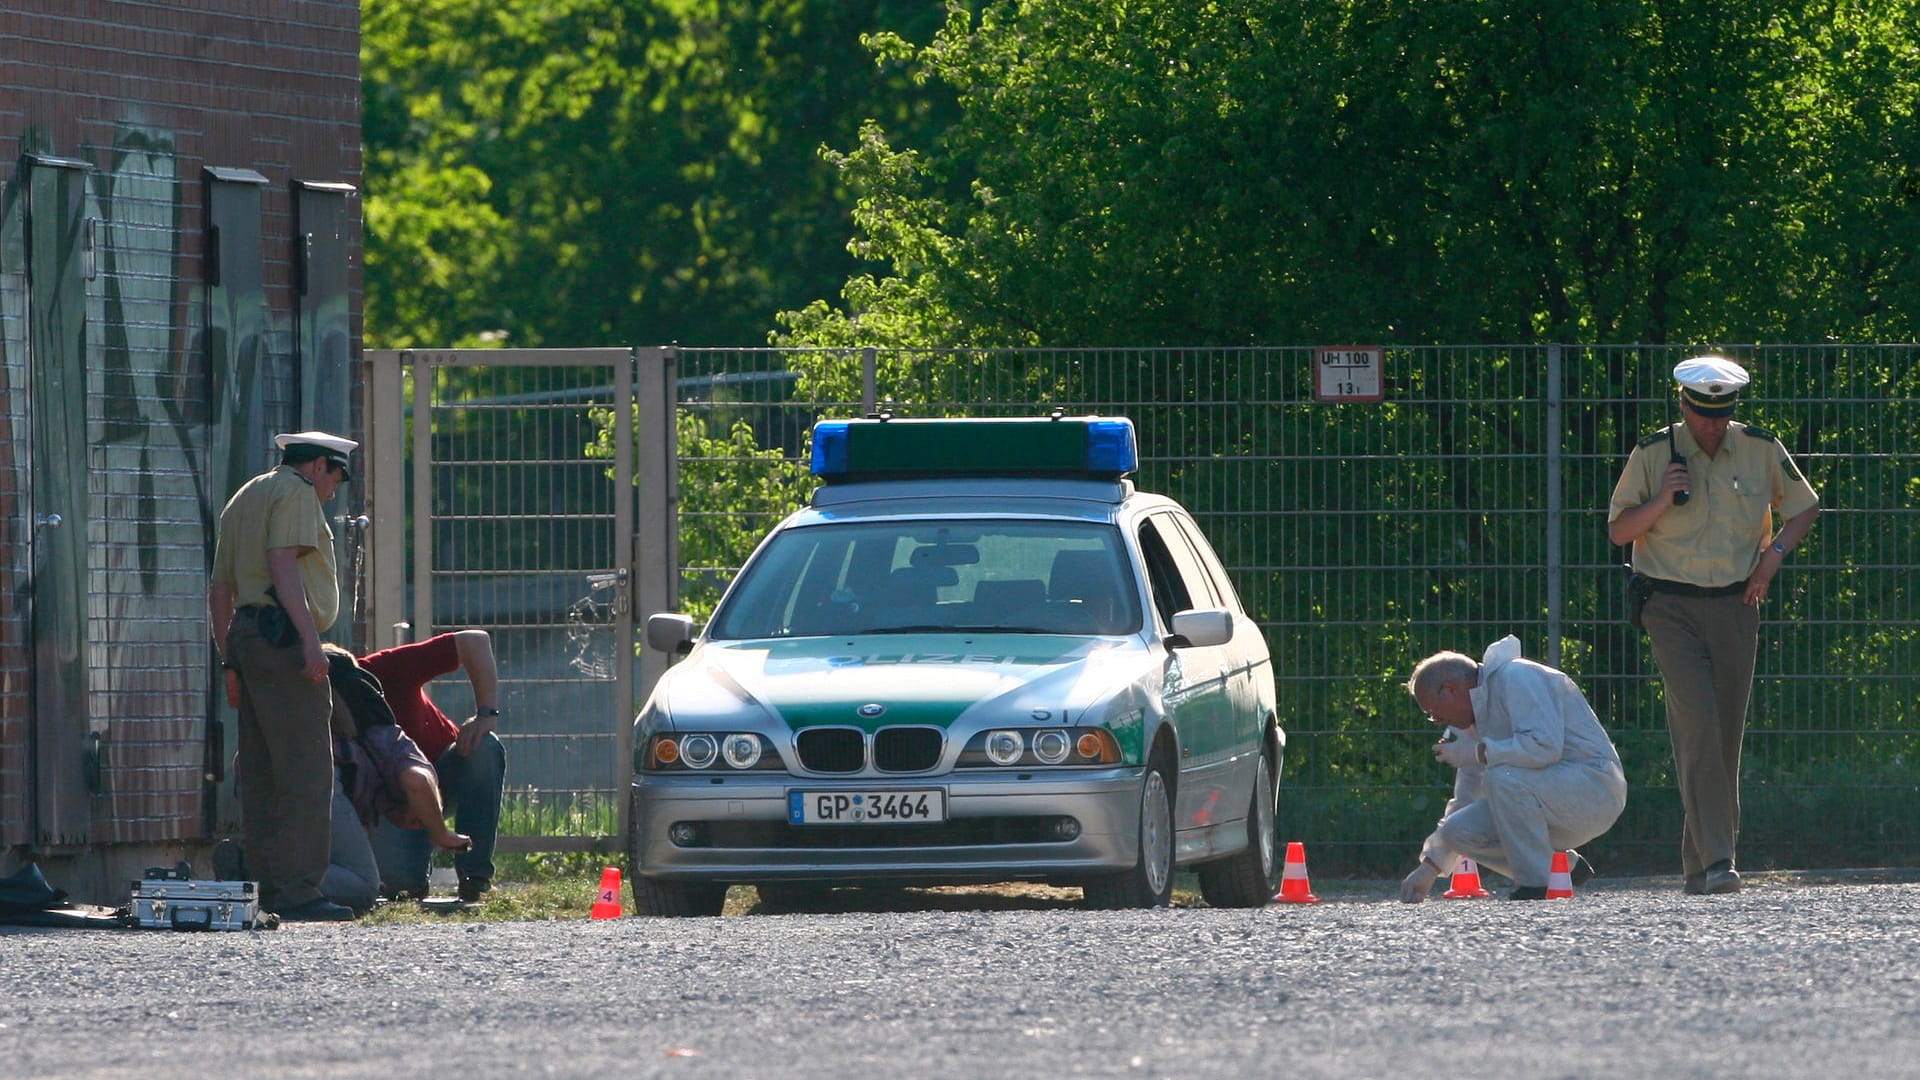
871	711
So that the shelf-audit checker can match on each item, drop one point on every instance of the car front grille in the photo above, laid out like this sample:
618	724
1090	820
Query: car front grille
907	749
895	749
832	750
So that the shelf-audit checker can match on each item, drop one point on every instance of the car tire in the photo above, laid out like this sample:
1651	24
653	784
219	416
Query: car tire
1149	884
1249	878
671	899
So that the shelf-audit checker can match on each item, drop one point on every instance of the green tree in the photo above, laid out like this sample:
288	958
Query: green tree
586	172
1163	172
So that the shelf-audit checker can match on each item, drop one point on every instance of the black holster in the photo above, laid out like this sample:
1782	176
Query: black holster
1639	588
275	627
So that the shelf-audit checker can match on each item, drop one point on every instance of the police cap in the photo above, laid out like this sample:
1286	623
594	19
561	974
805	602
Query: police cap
298	446
1710	385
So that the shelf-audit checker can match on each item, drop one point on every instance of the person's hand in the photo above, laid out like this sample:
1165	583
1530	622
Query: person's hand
1762	577
1460	751
1676	480
475	729
1419	883
315	667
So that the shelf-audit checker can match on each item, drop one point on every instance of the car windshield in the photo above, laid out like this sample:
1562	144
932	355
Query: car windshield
896	577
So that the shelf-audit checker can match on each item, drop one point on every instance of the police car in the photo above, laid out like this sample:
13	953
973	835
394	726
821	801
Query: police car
979	655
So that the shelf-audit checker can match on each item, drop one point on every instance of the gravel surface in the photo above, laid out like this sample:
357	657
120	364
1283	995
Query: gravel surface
1799	975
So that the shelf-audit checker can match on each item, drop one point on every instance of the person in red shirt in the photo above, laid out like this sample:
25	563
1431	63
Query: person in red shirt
467	757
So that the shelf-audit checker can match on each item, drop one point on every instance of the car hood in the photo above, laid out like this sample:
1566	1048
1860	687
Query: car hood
935	680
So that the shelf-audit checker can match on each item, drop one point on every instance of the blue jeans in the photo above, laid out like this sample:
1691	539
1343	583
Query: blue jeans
471	785
352	878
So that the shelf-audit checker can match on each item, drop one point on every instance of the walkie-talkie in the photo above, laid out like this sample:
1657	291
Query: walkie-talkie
1673	454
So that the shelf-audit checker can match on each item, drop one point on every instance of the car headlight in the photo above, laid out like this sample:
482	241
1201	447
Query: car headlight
741	751
699	751
1049	746
1004	747
738	750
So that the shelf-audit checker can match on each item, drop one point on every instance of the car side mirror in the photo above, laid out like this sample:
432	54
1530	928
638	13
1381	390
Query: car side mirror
669	632
1196	628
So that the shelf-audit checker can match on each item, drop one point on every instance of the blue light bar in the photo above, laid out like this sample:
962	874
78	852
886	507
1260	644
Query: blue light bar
1101	447
830	448
1110	447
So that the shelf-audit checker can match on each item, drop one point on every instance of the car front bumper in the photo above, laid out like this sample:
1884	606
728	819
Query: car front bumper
1001	826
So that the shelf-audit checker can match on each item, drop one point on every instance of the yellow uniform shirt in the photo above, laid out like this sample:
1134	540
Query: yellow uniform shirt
273	510
1717	538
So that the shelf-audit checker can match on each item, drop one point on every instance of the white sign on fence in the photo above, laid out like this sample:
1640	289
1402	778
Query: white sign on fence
1347	373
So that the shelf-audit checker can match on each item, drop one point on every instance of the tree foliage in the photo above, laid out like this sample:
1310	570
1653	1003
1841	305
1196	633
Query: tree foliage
1168	172
586	172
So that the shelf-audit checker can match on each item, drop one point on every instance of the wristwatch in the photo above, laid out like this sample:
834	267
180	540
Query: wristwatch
487	712
1779	547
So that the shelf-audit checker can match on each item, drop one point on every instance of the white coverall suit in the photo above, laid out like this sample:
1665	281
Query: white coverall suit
1552	780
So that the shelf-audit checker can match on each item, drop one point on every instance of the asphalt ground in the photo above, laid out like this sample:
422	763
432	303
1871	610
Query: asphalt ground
1813	974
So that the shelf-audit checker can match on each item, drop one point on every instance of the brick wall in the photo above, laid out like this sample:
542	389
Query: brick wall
149	95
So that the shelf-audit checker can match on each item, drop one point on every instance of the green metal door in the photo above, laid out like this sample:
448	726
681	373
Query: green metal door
66	762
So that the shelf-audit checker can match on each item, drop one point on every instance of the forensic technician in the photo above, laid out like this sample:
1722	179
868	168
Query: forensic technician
1536	771
1697	501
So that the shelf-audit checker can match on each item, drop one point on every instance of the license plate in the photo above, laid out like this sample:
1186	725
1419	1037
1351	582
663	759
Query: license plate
866	807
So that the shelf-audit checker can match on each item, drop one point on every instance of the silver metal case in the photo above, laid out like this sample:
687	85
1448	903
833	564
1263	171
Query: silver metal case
175	903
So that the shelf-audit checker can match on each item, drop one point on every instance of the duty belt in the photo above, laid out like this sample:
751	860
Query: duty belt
1681	588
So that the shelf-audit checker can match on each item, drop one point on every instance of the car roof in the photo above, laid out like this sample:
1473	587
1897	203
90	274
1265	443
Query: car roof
1000	497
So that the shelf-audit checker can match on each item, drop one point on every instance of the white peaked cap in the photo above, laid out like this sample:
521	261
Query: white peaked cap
1714	375
315	438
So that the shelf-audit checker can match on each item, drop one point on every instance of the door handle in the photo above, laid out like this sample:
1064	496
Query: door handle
46	521
615	581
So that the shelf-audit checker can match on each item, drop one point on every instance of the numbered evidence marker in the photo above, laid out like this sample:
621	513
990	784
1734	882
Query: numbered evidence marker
1347	373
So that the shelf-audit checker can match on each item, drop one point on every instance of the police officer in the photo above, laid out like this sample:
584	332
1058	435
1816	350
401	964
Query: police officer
1698	502
273	591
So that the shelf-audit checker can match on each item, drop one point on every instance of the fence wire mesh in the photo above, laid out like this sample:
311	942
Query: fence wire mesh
1468	504
521	526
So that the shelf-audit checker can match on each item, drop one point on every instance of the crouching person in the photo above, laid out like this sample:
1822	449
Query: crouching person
467	757
381	776
1537	773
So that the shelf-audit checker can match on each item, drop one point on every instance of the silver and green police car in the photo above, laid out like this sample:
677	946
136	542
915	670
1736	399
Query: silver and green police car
980	655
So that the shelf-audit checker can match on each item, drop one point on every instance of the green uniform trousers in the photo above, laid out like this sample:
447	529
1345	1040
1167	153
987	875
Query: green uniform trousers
1705	647
286	766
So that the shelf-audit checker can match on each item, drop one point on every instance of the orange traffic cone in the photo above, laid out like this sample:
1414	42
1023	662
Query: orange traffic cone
607	906
1466	883
1560	878
1293	879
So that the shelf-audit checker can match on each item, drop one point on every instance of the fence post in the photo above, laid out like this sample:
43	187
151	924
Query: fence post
1556	592
869	381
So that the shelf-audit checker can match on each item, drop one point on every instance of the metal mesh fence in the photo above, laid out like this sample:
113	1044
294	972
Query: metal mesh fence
521	528
1468	504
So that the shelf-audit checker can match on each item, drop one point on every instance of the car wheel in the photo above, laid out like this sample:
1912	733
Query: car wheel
1150	883
653	896
1250	877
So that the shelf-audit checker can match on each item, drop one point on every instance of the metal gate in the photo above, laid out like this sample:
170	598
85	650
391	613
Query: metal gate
502	490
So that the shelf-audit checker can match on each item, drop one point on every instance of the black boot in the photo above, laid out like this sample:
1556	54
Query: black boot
229	862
